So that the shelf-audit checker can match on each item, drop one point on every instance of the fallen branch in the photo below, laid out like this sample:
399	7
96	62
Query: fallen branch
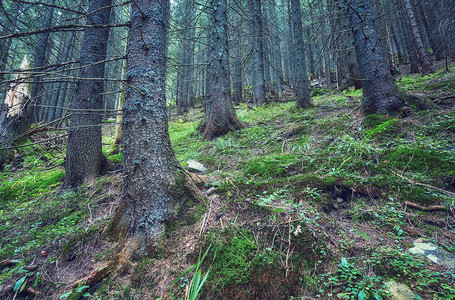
8	262
443	98
425	185
97	275
425	208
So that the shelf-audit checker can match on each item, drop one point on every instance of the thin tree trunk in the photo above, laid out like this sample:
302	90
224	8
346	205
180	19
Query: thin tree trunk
424	60
259	84
301	86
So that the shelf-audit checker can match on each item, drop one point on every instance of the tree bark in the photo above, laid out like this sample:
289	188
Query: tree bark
379	89
424	60
154	188
84	157
40	55
301	85
259	84
220	117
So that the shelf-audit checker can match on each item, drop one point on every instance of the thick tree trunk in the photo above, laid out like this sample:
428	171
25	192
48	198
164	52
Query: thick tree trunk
154	188
220	117
424	60
258	55
379	89
84	158
301	85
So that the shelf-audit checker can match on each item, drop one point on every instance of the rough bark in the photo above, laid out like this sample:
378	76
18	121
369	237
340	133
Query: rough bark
155	191
301	83
424	59
410	48
379	89
259	91
220	117
40	58
84	158
430	18
6	28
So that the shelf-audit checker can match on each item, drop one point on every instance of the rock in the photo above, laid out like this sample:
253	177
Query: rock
434	253
399	291
211	191
194	166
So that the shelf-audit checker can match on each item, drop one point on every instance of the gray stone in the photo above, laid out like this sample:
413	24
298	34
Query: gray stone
434	253
399	291
194	166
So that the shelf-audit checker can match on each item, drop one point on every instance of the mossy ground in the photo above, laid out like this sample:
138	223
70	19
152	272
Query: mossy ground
309	204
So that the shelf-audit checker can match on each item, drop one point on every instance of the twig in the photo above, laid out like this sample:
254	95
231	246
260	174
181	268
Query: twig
425	208
425	185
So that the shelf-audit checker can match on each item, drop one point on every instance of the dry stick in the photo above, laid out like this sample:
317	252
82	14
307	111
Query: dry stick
425	208
444	98
289	248
425	185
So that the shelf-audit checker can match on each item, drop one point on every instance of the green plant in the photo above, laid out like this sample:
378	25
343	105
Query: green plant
197	280
355	285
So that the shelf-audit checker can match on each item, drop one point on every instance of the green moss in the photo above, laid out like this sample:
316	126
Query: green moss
319	92
436	163
443	85
116	158
233	261
270	166
374	120
388	127
30	185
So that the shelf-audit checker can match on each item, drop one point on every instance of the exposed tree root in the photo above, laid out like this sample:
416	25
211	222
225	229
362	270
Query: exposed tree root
425	208
100	273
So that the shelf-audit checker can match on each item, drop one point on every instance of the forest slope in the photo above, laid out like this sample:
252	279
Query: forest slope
315	203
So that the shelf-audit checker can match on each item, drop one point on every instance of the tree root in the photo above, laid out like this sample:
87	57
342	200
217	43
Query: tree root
99	274
425	208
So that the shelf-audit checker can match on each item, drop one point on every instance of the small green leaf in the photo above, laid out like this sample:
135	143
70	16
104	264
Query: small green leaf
344	262
363	295
377	297
86	295
418	297
19	283
82	288
65	295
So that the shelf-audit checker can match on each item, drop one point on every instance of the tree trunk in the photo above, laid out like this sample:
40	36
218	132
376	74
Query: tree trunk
118	124
424	60
379	89
154	189
220	117
40	56
12	121
5	44
258	55
301	85
84	158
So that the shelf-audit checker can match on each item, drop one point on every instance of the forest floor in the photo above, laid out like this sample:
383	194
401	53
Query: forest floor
321	203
